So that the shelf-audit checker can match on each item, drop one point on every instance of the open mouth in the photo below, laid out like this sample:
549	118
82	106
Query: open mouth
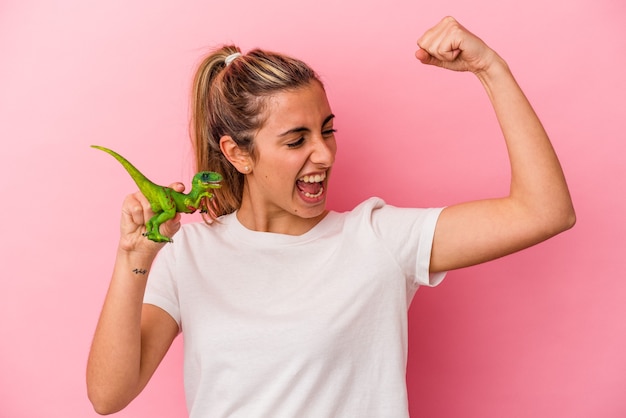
211	179
312	186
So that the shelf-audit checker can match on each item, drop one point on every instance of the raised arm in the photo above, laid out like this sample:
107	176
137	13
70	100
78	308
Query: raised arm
538	205
131	338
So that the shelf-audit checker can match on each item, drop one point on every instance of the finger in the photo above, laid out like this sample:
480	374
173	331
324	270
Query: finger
136	211
179	187
443	41
432	37
145	208
132	211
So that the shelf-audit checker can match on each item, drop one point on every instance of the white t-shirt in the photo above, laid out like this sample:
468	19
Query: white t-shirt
297	326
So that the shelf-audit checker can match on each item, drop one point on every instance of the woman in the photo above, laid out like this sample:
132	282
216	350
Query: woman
289	309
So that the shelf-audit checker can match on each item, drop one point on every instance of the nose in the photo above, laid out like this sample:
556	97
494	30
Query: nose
324	151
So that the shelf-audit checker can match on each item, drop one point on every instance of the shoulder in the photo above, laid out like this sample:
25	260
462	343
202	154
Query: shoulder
366	207
375	210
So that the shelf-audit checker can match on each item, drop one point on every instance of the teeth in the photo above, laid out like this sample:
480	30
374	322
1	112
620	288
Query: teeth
318	194
314	179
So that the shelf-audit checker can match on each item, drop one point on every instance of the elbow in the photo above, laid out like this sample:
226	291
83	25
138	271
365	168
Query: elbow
571	220
568	217
103	407
104	404
102	410
562	220
108	394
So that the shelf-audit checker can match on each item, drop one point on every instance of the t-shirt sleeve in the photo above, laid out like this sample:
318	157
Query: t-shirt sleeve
407	233
161	289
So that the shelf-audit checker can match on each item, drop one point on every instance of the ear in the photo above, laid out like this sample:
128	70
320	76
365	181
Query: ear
239	158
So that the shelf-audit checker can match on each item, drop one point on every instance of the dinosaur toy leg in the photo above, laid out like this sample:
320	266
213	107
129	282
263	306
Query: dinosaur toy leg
199	202
164	209
153	224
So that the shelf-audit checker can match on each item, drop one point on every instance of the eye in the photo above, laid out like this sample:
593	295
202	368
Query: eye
329	132
296	144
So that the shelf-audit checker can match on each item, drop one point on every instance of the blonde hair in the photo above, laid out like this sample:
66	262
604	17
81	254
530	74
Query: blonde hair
230	100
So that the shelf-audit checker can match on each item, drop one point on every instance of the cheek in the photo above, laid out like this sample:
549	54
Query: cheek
331	144
279	172
333	148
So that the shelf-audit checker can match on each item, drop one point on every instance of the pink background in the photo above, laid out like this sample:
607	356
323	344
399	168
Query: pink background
538	334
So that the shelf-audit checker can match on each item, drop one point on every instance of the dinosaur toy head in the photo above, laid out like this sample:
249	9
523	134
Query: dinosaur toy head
207	180
202	182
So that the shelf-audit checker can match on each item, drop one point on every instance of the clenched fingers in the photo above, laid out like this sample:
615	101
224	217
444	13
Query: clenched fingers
450	45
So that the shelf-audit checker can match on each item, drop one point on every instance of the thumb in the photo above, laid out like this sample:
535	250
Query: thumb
425	58
445	60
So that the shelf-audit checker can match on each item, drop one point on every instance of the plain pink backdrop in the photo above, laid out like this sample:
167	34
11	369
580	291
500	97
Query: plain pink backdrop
538	334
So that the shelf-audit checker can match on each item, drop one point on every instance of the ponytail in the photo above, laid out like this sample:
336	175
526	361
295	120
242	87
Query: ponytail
230	100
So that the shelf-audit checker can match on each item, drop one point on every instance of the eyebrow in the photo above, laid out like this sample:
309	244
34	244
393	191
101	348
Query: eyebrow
304	129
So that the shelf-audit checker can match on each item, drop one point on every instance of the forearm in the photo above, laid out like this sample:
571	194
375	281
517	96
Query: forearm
114	366
538	185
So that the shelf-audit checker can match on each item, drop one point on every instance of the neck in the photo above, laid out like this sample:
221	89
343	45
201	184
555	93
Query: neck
278	222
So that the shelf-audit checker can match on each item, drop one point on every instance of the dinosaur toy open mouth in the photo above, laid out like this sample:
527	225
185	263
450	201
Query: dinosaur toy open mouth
211	179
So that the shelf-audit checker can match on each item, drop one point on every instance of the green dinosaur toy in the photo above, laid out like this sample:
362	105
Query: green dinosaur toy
165	201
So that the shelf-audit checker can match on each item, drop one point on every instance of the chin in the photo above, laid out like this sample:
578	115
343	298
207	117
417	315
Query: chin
307	209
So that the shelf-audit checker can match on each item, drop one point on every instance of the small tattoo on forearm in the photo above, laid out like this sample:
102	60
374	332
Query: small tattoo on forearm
140	271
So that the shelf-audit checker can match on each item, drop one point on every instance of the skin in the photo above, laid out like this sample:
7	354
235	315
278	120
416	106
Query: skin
296	140
538	205
131	338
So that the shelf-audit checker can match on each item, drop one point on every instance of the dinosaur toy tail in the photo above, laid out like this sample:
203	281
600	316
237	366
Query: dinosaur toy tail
137	176
165	201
